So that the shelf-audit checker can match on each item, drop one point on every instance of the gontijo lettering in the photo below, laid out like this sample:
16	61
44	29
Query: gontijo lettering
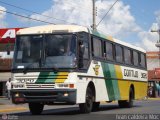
130	73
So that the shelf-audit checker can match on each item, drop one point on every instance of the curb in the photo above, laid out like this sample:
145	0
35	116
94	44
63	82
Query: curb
3	97
105	102
2	104
13	109
153	98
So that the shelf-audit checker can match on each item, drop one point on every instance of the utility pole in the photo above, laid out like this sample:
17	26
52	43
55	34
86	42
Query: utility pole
94	15
158	43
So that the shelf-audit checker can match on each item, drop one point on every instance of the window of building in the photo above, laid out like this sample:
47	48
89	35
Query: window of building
119	54
127	56
109	51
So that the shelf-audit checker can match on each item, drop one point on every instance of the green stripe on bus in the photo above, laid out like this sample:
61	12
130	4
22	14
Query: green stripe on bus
42	77
114	82
109	85
51	78
99	34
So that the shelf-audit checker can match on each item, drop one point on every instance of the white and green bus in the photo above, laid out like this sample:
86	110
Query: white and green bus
71	64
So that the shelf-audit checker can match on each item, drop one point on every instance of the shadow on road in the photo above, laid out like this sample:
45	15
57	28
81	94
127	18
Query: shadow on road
75	110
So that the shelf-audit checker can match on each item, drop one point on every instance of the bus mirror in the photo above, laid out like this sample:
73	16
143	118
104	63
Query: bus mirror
82	49
8	51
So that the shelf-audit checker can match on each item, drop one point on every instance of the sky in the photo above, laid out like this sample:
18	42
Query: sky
129	20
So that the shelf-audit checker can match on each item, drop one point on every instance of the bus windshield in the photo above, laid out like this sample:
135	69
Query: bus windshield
45	51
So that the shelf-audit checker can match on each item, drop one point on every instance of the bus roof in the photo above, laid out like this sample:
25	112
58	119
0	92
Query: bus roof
70	29
52	29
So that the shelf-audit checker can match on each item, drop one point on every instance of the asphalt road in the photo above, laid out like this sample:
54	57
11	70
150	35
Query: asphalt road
147	109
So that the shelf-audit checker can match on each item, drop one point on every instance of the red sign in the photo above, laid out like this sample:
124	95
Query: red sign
7	40
157	72
8	35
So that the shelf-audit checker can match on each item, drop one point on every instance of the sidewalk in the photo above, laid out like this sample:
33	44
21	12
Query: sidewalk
154	98
6	106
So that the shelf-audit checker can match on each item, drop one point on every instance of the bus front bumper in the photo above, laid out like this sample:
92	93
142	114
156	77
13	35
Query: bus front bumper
44	96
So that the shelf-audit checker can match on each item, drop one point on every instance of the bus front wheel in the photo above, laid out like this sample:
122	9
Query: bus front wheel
36	108
87	106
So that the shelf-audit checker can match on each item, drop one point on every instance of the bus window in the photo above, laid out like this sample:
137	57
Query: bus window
109	51
57	45
135	58
97	48
143	62
127	56
119	54
83	49
28	48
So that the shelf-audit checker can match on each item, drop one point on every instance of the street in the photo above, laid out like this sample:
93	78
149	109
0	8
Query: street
146	109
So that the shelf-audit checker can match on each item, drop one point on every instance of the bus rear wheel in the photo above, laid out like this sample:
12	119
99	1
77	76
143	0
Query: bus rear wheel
95	106
36	108
87	106
127	103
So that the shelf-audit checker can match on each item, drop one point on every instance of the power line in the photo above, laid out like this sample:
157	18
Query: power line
31	11
26	17
107	13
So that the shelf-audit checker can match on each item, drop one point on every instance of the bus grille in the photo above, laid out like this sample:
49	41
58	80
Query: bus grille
45	86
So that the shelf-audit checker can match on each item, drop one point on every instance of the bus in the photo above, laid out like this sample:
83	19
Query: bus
71	64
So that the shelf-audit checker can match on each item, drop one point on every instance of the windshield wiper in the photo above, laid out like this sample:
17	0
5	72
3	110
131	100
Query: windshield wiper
55	69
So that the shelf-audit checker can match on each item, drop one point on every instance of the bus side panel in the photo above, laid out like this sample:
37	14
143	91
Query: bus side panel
122	84
112	84
95	75
140	89
101	91
133	77
81	91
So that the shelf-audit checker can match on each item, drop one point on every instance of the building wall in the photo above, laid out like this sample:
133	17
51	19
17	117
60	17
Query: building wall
152	63
7	40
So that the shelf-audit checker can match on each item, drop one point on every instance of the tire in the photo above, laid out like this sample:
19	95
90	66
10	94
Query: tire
129	103
36	108
87	106
122	103
95	106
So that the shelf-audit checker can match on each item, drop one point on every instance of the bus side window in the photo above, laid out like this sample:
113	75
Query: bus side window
135	58
97	48
127	56
83	49
142	60
109	51
81	53
119	54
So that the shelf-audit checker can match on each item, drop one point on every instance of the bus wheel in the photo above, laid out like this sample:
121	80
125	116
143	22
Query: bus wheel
87	106
95	106
36	108
129	103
